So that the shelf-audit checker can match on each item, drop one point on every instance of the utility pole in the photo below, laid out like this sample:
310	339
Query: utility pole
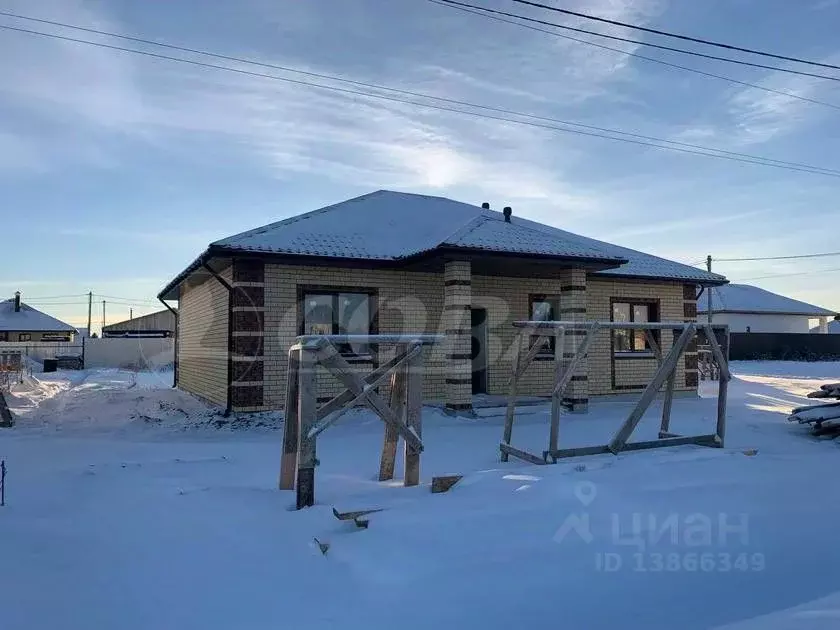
709	290
130	313
90	310
103	317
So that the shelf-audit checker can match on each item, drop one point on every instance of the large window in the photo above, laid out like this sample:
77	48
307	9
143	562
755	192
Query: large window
628	341
24	337
339	313
545	308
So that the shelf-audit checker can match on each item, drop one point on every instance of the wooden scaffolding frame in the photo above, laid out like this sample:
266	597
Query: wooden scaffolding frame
717	337
304	420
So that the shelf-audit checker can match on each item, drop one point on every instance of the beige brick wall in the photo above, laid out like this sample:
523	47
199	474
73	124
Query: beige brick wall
507	300
407	302
203	338
629	372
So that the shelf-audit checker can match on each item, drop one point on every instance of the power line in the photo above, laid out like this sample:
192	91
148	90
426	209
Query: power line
688	38
712	75
778	257
786	275
703	151
640	42
128	299
409	92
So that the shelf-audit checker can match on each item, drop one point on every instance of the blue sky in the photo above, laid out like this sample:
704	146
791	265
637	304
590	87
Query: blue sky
116	169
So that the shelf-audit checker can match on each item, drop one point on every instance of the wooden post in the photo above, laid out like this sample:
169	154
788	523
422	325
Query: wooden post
669	364
511	406
291	423
723	386
414	416
668	400
307	414
557	394
389	446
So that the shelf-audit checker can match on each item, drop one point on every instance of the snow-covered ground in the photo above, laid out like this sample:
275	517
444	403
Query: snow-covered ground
131	505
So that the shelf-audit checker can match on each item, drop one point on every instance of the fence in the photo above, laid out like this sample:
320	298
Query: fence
136	353
784	347
40	350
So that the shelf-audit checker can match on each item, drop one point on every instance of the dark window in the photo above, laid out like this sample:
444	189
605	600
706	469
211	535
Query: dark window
338	313
4	336
544	308
628	340
24	337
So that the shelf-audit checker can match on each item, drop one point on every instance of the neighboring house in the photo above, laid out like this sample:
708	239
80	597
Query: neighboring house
158	324
19	322
391	262
832	327
746	308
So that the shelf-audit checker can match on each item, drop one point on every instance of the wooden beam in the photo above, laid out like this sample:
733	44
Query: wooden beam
557	394
291	425
347	399
669	364
413	389
723	363
307	412
723	388
337	365
444	483
582	324
582	351
424	340
553	456
507	449
668	401
511	405
698	440
391	437
657	351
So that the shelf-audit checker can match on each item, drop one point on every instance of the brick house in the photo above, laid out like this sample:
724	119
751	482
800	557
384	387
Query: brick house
392	262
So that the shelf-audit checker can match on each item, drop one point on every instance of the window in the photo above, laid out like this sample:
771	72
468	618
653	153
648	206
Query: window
628	341
4	336
544	308
24	337
338	313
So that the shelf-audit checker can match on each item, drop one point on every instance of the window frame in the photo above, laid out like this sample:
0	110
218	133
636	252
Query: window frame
334	291
654	315
4	335
22	335
549	351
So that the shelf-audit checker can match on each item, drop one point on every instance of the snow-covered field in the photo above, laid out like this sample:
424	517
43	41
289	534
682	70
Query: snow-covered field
131	505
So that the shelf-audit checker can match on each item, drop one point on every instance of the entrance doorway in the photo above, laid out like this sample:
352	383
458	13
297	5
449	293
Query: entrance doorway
478	318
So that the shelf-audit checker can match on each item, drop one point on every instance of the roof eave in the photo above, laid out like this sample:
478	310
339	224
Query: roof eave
696	281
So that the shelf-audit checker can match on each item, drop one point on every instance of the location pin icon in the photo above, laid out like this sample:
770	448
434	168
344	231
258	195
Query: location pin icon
585	492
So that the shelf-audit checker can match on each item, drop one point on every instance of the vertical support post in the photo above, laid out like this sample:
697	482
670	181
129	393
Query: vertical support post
723	384
414	407
511	406
668	401
307	414
291	423
709	291
457	304
560	366
397	404
573	302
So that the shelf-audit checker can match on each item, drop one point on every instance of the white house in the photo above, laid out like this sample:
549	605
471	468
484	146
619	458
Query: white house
746	308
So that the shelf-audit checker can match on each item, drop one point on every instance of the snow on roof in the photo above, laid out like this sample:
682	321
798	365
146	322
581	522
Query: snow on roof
28	319
745	298
388	225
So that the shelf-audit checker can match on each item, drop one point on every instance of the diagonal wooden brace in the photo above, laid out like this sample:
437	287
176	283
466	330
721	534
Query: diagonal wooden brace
328	356
348	398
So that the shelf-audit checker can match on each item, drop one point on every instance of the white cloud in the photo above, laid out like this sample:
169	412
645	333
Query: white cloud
759	116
